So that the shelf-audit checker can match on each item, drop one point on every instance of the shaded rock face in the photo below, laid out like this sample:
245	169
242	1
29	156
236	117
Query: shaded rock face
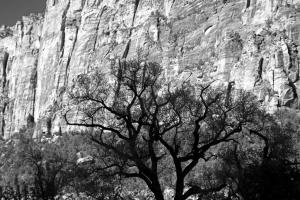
251	44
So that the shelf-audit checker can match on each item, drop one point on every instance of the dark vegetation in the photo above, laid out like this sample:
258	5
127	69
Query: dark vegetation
141	136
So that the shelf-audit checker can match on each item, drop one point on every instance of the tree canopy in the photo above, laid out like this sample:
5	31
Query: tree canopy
138	134
148	125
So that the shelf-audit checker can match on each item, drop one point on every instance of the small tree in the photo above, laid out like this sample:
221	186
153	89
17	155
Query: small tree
147	126
263	165
40	168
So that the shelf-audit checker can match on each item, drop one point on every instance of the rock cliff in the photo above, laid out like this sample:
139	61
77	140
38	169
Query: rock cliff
251	44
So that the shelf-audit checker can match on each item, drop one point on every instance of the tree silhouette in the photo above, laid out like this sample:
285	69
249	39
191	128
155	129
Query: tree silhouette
147	125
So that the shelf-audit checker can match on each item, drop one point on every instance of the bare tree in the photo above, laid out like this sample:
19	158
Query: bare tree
140	120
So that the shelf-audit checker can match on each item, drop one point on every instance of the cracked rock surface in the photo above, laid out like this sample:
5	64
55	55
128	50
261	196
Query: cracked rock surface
251	43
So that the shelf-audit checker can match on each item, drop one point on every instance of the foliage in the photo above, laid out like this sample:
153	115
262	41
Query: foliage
263	167
149	128
147	138
42	167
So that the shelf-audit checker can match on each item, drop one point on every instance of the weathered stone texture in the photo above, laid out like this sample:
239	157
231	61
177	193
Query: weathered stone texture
251	43
18	72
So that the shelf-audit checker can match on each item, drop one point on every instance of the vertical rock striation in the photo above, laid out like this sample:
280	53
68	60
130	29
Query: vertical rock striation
20	50
251	44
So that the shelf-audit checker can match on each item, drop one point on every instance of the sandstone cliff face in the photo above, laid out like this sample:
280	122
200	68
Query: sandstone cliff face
251	44
19	51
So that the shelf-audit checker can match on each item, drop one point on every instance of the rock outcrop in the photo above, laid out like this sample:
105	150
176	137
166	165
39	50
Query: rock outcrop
251	44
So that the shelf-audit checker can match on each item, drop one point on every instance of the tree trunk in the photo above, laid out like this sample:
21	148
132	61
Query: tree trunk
159	196
158	193
179	188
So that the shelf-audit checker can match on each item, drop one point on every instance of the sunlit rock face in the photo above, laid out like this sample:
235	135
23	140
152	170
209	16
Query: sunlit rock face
251	44
19	52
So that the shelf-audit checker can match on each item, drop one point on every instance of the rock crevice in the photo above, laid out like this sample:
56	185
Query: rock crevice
251	43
